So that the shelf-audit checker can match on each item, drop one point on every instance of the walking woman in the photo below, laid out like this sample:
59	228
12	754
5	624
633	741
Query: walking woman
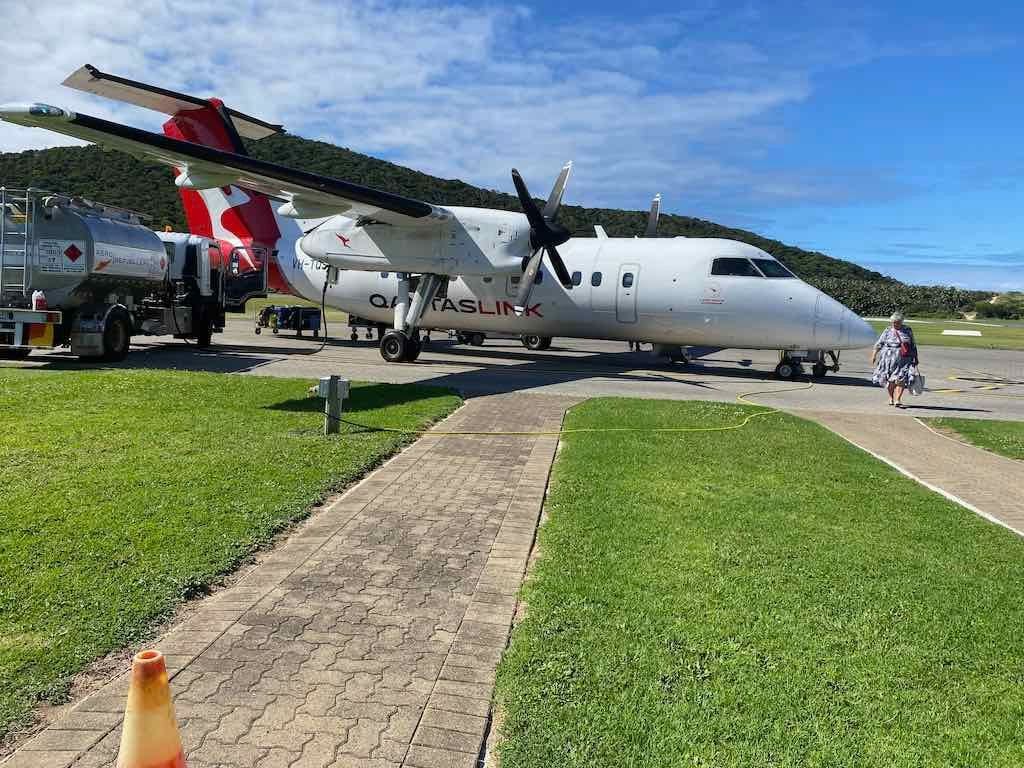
895	359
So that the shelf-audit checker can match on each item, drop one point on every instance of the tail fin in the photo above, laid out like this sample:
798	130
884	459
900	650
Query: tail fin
243	220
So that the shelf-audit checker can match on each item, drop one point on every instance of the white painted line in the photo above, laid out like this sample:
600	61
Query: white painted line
961	333
939	322
941	491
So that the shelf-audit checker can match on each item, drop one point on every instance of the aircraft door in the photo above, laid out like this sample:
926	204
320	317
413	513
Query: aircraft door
246	276
625	293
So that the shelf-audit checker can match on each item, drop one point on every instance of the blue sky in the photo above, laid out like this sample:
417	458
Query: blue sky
887	134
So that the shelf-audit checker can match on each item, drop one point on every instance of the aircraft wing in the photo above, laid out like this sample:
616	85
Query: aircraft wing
309	195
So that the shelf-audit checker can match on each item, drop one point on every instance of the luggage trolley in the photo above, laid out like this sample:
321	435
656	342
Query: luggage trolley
298	319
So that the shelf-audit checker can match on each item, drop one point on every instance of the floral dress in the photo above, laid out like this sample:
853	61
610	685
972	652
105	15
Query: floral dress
890	364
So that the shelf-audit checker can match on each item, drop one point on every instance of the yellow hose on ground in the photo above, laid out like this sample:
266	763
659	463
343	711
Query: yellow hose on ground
557	433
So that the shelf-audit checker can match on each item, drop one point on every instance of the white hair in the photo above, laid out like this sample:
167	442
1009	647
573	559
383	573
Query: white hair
896	317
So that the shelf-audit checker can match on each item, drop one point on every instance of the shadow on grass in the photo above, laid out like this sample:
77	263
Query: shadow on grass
367	397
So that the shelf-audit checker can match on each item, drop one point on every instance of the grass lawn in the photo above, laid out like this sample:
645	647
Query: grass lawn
995	334
125	492
769	596
1004	437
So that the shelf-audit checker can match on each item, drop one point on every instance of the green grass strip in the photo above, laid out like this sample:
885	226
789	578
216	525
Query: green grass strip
125	492
769	596
1003	437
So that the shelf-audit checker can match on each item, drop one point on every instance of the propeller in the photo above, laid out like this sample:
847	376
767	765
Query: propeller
652	219
545	235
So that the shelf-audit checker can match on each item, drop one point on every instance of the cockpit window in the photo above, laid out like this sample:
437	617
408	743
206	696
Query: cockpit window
772	268
734	267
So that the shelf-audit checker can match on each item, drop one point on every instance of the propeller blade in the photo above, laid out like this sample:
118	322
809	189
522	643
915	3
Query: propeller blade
555	199
527	280
556	261
652	219
533	214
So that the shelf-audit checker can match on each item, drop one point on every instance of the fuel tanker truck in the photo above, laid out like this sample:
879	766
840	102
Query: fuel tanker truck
90	276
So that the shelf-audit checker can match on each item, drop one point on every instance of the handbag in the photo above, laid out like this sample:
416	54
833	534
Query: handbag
917	385
904	346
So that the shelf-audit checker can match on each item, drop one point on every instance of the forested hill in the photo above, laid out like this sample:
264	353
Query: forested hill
118	179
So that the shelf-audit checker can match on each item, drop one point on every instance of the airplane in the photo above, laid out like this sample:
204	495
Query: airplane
415	265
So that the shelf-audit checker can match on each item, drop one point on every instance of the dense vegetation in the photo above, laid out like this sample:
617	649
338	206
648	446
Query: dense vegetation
119	179
879	298
1006	306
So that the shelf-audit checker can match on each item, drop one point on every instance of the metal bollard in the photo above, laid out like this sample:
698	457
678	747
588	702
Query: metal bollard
333	389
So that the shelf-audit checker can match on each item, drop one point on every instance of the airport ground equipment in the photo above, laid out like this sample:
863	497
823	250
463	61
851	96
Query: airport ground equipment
103	277
293	318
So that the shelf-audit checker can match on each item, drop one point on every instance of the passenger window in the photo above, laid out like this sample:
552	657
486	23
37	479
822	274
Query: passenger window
577	278
488	279
627	280
595	279
734	267
385	275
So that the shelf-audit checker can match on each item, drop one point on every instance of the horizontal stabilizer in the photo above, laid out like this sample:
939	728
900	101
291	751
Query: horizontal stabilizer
91	80
201	167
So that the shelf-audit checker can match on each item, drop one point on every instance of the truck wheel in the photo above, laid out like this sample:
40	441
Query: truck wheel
117	335
204	334
476	339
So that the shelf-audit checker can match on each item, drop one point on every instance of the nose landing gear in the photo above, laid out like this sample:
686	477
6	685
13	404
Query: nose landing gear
788	369
791	363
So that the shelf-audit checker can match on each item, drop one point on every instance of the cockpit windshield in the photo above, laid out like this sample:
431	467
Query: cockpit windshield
735	267
772	268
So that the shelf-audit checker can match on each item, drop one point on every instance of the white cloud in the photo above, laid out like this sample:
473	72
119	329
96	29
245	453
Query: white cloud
671	103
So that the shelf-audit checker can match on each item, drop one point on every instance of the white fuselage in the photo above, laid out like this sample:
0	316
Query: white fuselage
671	297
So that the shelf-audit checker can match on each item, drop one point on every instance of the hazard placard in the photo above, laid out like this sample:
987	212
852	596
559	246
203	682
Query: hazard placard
67	256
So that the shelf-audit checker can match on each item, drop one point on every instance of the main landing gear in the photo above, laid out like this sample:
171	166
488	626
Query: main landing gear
402	344
398	347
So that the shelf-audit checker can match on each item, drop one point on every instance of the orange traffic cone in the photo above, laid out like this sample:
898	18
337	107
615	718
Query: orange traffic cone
150	737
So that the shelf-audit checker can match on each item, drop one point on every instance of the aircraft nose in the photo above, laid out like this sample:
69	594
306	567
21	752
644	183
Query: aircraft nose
859	332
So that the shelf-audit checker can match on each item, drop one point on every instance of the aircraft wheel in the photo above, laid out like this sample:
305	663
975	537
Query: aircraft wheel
819	370
258	330
354	336
787	370
394	346
536	343
476	339
413	351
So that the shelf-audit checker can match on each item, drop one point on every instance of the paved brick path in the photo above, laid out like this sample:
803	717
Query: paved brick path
993	485
371	636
